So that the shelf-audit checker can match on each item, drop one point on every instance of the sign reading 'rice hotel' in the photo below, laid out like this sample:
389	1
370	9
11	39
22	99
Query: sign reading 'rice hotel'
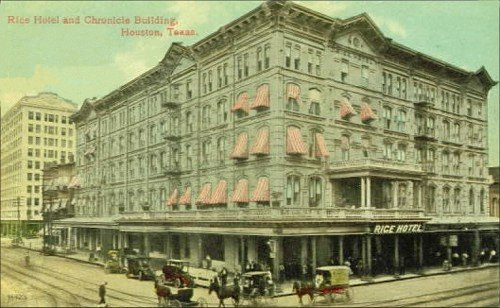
403	228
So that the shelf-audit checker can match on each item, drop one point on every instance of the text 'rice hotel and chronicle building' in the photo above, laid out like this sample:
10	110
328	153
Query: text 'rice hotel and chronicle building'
317	136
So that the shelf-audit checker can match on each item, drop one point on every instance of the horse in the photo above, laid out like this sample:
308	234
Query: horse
224	292
162	292
302	289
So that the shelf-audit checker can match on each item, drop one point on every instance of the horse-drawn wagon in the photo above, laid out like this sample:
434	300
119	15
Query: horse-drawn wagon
183	297
257	289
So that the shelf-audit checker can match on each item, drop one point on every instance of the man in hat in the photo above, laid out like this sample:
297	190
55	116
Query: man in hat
102	293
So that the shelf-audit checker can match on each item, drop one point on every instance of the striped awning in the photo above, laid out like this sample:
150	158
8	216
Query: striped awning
220	194
172	200
261	98
241	103
261	144
241	192
186	197
204	196
321	149
240	150
294	143
293	91
75	182
261	192
346	109
367	113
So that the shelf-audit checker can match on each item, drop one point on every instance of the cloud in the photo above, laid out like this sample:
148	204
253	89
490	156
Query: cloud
12	89
392	26
191	14
132	63
330	8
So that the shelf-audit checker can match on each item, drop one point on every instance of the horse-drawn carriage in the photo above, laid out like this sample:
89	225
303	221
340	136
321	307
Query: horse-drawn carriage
183	297
176	272
329	282
112	262
257	288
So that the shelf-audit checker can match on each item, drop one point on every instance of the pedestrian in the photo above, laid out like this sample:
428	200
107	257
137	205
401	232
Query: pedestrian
208	260
102	293
248	267
465	258
482	256
493	255
360	268
223	276
282	272
98	251
455	259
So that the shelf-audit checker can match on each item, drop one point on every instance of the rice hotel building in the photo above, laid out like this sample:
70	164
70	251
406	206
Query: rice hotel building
288	137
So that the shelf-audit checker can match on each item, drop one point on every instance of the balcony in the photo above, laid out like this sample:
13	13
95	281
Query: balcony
172	170
422	100
171	135
425	134
170	104
339	169
281	215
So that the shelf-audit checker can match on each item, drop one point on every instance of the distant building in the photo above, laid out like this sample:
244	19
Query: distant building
288	137
35	131
495	192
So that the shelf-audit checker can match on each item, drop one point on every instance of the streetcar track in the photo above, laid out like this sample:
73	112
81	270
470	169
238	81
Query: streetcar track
75	300
128	302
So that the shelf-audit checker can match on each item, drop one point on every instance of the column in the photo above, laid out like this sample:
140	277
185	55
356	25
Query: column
368	192
200	250
126	240
419	195
363	192
120	240
147	244
313	252
476	248
303	255
243	257
278	258
369	255
68	238
363	256
394	194
341	249
420	252
396	255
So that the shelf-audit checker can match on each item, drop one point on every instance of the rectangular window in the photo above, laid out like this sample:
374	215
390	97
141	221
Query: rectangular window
30	128
296	61
267	56
219	77
245	65
31	115
210	81
259	59
38	116
344	70
364	75
204	83
310	61
288	55
387	117
226	76
239	68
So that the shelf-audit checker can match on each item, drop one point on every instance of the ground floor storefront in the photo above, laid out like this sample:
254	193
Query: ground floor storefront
23	228
370	249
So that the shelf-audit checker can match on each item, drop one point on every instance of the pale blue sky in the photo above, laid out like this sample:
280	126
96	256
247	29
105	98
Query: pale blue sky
80	61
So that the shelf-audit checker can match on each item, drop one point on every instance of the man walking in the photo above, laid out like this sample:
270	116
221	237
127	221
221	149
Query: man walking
102	294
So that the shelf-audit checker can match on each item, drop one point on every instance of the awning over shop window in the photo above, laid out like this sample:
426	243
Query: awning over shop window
172	200
293	91
220	194
294	143
321	149
261	98
261	144
241	103
241	192
367	113
346	109
261	192
240	150
204	196
186	197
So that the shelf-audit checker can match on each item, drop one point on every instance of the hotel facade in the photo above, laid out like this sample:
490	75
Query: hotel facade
37	130
288	137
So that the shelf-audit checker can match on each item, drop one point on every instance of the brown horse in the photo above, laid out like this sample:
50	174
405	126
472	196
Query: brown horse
163	292
302	288
225	292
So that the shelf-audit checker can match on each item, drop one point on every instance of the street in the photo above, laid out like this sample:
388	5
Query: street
57	282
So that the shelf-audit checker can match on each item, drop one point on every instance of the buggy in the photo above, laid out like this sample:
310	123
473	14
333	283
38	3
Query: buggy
257	288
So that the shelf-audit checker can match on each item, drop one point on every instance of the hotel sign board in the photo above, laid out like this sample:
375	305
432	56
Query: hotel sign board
398	228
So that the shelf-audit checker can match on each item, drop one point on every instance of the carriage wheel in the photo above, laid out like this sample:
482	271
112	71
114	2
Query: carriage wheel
202	302
349	294
174	303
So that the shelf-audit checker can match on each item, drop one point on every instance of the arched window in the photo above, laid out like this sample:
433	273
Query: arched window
293	97
402	191
446	199
189	158
471	201
446	162
401	154
189	122
221	112
315	99
446	130
292	190
345	145
431	199
481	200
388	150
315	191
221	150
131	201
456	198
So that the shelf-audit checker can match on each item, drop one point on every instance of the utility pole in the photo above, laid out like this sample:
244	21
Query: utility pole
18	217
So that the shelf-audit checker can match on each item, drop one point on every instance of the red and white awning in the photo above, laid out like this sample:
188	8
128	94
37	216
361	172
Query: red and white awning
241	192
346	109
75	182
321	149
186	197
294	143
220	194
261	98
240	150
172	200
204	196
261	192
241	103
293	91
367	113
261	144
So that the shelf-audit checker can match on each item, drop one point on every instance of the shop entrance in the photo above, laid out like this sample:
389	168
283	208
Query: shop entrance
291	259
